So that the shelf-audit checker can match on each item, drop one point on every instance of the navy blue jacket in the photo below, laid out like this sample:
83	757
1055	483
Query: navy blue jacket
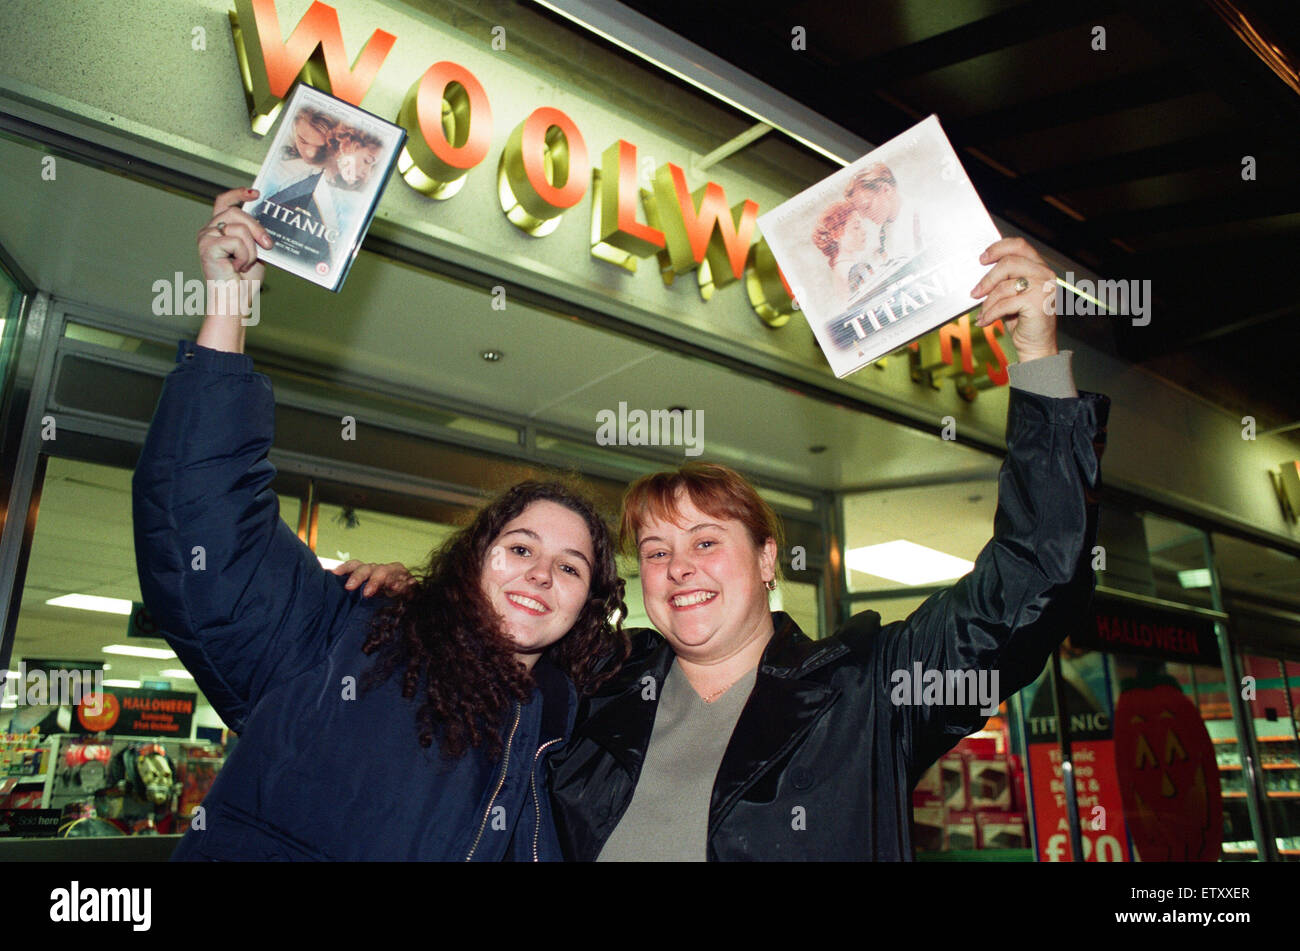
323	769
822	762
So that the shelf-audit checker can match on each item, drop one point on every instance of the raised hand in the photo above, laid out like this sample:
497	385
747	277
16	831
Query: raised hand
1026	307
232	273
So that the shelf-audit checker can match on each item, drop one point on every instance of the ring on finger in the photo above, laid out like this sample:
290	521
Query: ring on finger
1022	285
221	228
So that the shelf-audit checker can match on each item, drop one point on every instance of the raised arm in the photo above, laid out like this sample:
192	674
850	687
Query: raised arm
1033	581
245	604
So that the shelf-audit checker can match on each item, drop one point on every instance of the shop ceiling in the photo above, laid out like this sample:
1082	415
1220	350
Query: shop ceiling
1128	160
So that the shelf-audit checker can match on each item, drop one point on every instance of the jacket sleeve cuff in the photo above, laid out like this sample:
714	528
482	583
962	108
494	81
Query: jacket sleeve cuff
1047	376
190	354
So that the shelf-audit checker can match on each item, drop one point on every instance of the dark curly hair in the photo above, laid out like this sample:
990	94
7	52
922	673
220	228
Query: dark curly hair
450	644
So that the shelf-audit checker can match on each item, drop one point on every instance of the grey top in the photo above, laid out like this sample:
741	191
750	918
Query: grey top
1046	376
668	818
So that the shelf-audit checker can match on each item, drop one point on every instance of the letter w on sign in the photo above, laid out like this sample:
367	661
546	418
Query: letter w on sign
314	52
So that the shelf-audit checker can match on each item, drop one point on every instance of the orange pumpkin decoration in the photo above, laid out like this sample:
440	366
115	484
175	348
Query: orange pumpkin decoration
1169	779
109	710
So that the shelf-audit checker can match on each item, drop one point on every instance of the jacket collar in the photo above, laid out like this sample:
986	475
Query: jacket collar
622	724
780	710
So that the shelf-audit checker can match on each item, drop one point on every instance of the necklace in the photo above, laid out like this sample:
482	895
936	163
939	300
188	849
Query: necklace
718	693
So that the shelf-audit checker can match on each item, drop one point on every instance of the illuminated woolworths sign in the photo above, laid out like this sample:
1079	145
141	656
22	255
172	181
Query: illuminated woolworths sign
545	169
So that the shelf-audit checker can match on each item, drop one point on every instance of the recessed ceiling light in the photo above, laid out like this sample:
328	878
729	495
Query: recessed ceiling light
492	356
176	674
130	650
133	684
92	602
907	563
1194	578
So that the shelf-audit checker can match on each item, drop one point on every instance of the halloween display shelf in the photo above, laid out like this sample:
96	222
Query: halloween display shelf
105	785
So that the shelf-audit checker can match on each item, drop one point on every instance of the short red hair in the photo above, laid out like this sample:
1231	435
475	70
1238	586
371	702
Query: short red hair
714	489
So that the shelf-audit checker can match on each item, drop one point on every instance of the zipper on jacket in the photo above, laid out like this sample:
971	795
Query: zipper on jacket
505	764
537	805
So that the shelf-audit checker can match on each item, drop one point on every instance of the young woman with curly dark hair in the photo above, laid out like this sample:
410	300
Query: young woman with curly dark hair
435	635
414	729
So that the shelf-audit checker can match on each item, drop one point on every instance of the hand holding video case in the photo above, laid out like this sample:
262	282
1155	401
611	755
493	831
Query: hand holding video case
320	184
885	250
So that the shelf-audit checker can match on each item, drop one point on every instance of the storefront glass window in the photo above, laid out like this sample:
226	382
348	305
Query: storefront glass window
1273	720
902	544
80	629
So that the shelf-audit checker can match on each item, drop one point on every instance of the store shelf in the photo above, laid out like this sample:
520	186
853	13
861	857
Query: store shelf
30	779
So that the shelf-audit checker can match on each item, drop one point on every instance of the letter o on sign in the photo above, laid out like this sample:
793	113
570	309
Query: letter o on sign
448	123
544	171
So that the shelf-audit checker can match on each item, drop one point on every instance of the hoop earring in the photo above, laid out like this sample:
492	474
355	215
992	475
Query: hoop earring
770	585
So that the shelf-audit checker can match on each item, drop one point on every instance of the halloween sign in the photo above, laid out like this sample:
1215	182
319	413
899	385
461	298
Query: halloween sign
1168	775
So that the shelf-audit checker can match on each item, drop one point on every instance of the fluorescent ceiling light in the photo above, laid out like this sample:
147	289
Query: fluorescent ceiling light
130	650
907	563
177	674
92	602
122	683
1194	578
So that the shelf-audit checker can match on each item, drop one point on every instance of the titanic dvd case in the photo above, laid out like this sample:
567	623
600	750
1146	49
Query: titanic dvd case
320	184
884	250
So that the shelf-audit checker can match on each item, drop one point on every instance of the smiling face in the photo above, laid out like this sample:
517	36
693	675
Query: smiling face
537	576
703	582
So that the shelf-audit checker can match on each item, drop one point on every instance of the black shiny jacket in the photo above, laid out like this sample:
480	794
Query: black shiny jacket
822	762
